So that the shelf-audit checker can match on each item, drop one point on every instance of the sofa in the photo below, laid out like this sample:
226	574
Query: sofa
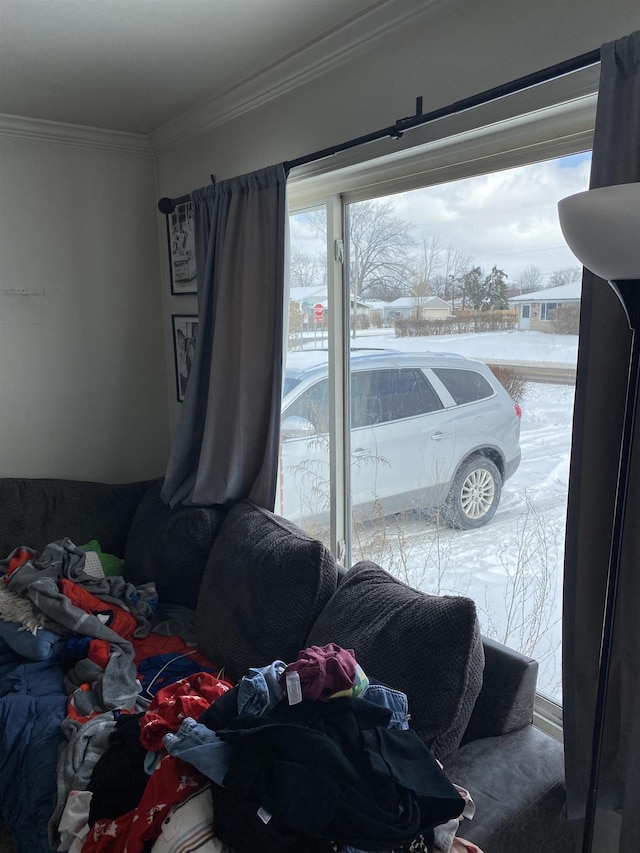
245	587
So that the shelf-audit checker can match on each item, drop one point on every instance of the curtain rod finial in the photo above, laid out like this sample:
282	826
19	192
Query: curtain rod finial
166	205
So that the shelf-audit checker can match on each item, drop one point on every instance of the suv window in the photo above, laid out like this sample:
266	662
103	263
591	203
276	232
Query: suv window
379	396
465	386
313	406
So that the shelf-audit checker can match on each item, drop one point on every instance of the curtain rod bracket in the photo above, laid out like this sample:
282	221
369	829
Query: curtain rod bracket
408	121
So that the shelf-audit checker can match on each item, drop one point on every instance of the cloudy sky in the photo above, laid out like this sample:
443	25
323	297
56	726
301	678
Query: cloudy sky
508	219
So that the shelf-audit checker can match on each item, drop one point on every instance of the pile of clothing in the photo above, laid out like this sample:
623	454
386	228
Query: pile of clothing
162	754
308	756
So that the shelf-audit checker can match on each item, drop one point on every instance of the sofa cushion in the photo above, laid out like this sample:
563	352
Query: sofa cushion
170	546
429	647
264	586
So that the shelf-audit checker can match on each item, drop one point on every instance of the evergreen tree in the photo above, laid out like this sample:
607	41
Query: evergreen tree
494	296
471	289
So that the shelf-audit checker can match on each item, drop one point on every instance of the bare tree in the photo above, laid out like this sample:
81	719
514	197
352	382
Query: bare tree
306	270
530	279
427	264
378	246
566	275
456	264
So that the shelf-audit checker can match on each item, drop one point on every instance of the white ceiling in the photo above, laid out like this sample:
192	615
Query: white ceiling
136	65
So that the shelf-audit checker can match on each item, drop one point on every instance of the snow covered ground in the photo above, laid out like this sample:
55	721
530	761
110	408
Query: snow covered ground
512	567
514	347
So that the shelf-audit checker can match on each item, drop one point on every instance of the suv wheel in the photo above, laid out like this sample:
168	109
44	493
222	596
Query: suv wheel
474	495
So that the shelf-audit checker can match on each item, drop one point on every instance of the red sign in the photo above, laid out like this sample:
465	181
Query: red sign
318	311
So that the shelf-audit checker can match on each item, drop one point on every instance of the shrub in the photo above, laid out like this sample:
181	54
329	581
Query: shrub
511	380
464	323
566	319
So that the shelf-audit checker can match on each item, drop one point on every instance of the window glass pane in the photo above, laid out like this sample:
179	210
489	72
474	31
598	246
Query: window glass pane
313	406
547	310
468	496
465	386
304	469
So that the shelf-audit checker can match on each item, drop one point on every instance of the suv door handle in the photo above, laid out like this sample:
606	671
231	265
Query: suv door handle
438	436
361	451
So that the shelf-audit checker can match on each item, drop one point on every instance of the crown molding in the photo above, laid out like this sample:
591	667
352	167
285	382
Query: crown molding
319	57
74	134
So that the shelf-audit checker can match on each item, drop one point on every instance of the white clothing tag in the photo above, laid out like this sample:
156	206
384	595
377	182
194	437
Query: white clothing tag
294	691
264	815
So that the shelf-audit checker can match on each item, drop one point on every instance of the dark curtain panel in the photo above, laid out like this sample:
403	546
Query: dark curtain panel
227	439
603	361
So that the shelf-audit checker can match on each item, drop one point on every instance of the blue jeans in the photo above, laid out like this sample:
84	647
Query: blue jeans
195	743
392	699
260	691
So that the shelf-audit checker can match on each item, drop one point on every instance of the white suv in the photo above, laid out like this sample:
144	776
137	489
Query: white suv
428	431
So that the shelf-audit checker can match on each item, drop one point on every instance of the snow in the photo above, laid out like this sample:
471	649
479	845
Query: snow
512	568
513	347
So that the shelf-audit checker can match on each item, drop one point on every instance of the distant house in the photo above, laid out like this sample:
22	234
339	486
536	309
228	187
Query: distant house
535	310
308	297
408	307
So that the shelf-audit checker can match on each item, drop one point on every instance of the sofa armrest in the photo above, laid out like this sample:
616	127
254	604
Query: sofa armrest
517	785
506	699
38	511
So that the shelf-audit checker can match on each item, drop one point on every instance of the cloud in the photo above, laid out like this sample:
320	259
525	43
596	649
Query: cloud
507	219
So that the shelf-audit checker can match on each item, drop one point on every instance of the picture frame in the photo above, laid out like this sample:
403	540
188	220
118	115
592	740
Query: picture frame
185	330
182	250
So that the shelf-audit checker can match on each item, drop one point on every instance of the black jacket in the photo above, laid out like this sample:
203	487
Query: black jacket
305	775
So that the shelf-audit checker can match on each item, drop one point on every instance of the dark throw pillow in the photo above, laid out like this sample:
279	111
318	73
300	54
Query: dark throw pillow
263	588
429	647
171	546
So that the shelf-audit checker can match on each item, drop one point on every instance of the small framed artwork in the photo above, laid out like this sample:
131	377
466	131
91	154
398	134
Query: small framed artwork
185	330
182	250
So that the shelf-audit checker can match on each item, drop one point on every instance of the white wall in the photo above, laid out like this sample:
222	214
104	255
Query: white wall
83	365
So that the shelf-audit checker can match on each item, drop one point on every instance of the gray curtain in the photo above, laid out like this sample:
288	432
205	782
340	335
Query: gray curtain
227	438
603	360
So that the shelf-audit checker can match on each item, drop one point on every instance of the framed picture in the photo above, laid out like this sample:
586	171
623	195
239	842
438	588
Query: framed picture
182	255
185	330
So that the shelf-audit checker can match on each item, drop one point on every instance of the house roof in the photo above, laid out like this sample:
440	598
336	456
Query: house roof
563	293
315	295
412	301
308	294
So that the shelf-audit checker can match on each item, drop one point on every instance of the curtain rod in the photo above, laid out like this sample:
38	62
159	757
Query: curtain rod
395	131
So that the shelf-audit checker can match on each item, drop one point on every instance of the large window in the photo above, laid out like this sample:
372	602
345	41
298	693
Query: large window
455	456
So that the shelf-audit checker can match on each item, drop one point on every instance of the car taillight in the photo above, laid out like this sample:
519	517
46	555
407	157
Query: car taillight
517	410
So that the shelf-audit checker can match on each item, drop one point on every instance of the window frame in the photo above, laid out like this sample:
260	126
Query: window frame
557	120
545	309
